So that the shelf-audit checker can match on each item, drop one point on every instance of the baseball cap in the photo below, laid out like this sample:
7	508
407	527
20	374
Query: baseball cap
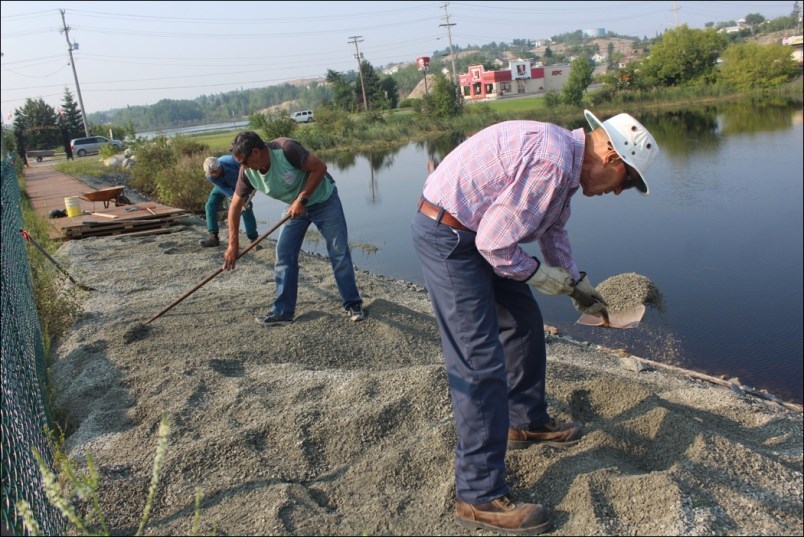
632	142
211	166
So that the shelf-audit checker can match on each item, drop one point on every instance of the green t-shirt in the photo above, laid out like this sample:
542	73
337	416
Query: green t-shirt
285	178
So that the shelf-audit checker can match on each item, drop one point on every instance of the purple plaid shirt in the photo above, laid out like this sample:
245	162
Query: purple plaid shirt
512	183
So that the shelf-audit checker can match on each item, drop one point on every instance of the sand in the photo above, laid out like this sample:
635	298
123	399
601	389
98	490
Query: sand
329	427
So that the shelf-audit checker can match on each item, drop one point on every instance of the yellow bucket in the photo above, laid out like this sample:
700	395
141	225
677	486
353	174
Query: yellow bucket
73	206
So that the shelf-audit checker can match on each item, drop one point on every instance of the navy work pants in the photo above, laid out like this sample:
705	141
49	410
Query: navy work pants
492	335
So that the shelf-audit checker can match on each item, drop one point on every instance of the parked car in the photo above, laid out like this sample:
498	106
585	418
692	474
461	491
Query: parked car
92	144
302	116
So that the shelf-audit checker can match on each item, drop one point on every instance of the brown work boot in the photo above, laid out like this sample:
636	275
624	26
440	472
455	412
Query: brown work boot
503	515
551	433
211	241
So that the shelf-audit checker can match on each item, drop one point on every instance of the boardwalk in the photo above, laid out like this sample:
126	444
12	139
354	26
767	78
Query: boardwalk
47	189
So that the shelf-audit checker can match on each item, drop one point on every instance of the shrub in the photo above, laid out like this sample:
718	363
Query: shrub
108	151
152	158
185	146
602	95
183	184
272	125
338	123
552	99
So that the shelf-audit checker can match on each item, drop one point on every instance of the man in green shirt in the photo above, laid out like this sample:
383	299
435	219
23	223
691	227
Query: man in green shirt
287	171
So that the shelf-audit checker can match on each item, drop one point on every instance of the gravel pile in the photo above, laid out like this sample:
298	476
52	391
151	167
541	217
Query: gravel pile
625	291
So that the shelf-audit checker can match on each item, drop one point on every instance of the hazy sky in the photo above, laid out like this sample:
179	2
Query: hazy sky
136	53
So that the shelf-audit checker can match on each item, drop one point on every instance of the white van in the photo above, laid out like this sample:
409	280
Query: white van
303	116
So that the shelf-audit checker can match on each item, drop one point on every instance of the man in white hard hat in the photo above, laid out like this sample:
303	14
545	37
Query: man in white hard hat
511	183
222	173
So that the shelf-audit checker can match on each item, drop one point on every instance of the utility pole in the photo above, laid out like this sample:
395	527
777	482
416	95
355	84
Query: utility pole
449	35
355	39
70	47
675	12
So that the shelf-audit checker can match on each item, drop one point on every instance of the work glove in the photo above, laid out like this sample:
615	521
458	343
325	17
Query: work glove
592	303
551	280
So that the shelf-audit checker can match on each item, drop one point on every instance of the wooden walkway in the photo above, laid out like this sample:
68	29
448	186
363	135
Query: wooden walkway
47	188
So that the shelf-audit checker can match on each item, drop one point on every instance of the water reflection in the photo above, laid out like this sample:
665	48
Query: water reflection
685	132
746	118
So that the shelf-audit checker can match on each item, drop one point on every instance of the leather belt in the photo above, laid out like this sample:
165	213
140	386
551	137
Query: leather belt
440	215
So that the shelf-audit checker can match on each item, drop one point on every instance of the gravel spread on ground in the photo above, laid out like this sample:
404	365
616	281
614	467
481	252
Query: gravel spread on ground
329	427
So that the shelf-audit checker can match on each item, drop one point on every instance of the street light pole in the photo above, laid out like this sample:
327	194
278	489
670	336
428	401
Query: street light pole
70	47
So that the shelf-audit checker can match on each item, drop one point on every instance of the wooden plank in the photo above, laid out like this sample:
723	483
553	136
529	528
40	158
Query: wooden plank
160	231
106	230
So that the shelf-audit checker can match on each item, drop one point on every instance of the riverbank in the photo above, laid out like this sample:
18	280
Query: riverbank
328	427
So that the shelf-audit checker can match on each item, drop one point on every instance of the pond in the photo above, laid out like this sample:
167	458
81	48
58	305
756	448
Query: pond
720	235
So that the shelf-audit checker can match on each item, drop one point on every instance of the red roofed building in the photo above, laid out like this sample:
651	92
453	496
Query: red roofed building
520	78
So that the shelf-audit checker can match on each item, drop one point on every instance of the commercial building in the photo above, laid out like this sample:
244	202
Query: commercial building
520	78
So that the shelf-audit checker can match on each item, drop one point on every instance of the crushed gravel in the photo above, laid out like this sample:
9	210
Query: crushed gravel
329	427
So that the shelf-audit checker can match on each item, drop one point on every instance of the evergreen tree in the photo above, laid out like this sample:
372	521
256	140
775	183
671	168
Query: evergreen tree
342	91
371	82
40	124
20	135
391	92
71	115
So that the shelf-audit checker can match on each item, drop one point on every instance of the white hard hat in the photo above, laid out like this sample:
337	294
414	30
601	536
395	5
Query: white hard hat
211	166
631	140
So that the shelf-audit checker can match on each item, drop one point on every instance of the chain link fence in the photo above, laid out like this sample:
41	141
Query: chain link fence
24	414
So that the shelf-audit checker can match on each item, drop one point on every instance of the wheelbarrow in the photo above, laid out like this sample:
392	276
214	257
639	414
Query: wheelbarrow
107	195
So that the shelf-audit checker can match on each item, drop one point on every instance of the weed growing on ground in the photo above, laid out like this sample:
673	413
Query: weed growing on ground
71	482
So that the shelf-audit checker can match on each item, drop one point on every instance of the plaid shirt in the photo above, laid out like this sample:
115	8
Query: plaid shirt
512	183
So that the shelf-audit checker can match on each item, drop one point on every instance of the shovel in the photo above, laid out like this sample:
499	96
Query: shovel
629	318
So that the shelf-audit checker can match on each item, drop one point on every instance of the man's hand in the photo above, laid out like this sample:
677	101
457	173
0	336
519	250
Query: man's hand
590	301
230	257
297	208
551	280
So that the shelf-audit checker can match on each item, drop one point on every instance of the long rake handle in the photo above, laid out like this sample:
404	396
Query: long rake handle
38	246
206	280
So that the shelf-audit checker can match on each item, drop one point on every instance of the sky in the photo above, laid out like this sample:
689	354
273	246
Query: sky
137	53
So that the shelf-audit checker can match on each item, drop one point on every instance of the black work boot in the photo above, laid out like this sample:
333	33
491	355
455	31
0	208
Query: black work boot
211	241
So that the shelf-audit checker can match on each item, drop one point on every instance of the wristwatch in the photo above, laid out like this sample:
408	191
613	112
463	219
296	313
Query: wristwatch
303	200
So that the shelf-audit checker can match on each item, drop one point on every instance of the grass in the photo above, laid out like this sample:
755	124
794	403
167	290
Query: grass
83	166
56	301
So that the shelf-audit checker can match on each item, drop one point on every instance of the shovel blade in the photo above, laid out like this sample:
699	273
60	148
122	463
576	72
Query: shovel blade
623	319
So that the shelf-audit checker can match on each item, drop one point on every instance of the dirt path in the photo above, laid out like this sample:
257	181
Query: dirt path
328	427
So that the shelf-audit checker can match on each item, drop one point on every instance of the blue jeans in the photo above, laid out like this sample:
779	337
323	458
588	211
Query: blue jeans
212	207
492	335
328	217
